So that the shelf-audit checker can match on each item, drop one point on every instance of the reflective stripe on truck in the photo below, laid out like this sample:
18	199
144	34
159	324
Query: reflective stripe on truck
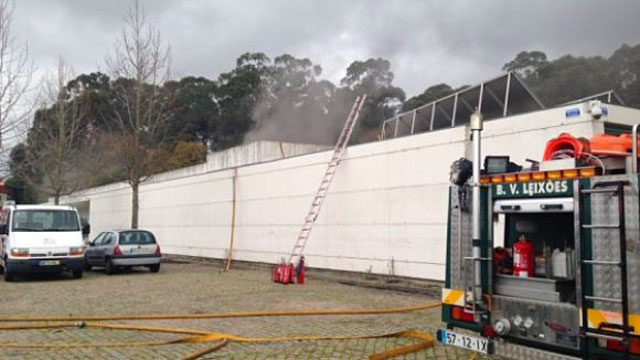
453	297
598	317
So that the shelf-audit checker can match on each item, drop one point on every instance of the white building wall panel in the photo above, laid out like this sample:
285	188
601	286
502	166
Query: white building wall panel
385	212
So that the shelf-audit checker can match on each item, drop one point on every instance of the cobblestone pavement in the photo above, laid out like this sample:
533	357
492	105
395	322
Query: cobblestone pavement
202	288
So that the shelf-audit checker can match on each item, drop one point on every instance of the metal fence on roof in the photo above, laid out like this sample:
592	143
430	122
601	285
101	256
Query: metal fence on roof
609	97
503	96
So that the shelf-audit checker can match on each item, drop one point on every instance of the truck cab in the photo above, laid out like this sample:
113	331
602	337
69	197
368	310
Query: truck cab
41	238
559	261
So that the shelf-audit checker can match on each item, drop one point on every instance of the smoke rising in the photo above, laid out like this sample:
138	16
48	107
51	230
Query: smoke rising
315	116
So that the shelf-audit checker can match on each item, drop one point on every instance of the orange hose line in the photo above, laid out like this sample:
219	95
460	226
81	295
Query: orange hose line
36	326
225	315
148	328
200	336
206	351
208	337
88	345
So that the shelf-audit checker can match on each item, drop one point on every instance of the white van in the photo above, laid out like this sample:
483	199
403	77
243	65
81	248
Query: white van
41	238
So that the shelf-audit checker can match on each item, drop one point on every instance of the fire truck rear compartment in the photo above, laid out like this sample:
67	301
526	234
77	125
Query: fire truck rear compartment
556	321
538	309
552	236
541	307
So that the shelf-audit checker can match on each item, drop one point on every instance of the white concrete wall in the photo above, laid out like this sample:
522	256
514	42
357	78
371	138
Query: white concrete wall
385	212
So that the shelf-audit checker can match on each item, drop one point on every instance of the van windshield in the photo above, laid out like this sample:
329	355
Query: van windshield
136	238
45	220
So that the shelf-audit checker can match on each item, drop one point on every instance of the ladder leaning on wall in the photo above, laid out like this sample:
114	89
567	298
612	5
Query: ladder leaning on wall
316	204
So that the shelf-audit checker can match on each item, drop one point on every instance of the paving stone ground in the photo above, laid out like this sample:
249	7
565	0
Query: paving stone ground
203	288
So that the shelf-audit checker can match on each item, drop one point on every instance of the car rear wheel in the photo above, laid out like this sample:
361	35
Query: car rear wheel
108	267
154	268
87	266
7	276
77	274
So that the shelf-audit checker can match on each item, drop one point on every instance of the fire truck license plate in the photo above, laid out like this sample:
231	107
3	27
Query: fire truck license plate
465	341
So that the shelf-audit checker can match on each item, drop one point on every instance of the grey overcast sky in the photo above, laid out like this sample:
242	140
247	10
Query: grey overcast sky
428	42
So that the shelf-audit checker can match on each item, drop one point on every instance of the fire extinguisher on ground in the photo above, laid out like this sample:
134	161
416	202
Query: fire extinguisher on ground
287	274
277	271
301	271
292	273
523	258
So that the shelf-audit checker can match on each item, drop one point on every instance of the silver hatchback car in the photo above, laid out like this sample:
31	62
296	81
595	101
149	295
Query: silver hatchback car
123	249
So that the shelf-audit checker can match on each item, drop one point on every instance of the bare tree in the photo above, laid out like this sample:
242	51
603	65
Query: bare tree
53	159
15	77
140	65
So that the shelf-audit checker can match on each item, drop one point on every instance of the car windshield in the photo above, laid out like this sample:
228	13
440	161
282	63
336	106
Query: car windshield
136	238
45	220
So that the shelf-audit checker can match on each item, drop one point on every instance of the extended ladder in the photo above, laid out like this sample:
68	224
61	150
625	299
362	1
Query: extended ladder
606	331
316	204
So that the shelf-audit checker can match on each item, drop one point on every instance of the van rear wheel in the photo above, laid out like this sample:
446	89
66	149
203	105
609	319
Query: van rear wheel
154	268
77	274
8	277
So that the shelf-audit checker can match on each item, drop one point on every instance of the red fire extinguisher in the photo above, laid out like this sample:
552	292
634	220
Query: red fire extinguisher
292	272
523	258
285	274
277	269
301	270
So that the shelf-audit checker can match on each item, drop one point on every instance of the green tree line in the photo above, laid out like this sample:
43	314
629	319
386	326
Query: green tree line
283	99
